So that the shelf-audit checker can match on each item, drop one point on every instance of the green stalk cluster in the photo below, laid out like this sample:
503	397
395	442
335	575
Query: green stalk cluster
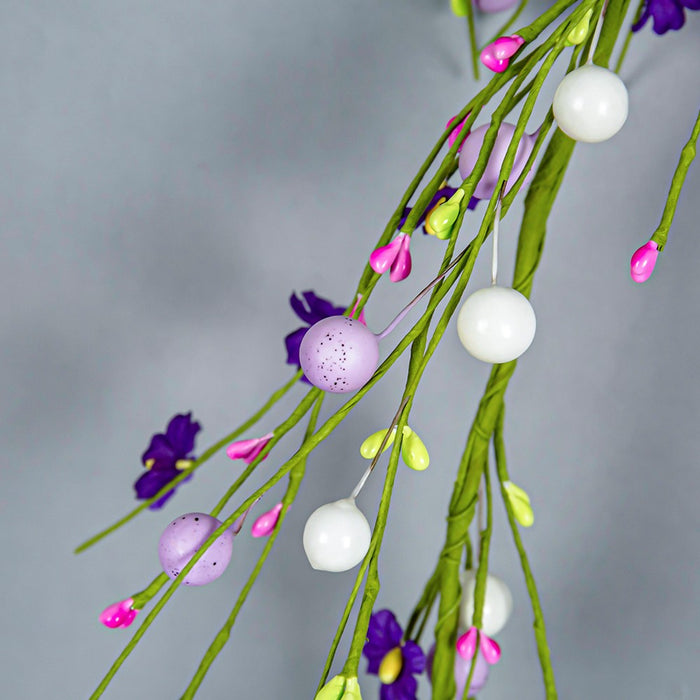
443	587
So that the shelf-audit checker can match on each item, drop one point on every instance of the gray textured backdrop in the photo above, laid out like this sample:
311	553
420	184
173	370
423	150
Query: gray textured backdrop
170	172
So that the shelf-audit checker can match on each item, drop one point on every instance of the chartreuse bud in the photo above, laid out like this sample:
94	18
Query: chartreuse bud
520	503
579	33
413	451
340	688
370	447
442	218
459	7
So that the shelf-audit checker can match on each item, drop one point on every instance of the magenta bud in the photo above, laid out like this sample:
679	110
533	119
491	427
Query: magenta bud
643	261
496	56
119	614
466	644
266	523
248	450
490	649
455	133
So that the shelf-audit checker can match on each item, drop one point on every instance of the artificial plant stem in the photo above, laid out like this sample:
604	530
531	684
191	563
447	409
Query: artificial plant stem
282	429
209	452
143	597
538	204
471	111
309	445
630	34
538	624
295	478
687	156
473	47
510	22
481	574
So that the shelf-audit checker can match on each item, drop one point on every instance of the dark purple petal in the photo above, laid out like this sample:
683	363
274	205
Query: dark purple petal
691	4
321	308
413	658
374	656
293	343
666	15
384	630
300	310
161	451
181	433
403	688
150	483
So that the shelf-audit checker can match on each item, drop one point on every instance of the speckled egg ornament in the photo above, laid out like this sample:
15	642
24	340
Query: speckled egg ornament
490	179
336	536
339	354
498	603
591	104
183	537
496	324
462	668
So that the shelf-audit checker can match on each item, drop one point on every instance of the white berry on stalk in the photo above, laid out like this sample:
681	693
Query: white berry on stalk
336	536
496	324
590	104
498	603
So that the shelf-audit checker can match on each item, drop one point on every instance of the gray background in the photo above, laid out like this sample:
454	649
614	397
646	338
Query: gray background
171	171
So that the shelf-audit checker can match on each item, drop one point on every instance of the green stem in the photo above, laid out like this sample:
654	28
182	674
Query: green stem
629	36
510	22
295	478
481	575
687	156
473	47
205	456
143	597
538	624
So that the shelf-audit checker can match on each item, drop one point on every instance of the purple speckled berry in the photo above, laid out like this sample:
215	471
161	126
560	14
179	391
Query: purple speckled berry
462	666
339	354
183	537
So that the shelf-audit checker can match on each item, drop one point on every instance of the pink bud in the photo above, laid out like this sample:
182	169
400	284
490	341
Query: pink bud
119	614
383	258
466	644
248	450
490	649
401	267
496	56
265	524
643	262
455	132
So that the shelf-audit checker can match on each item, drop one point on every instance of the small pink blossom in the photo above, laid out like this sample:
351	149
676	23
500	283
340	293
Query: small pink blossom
248	450
120	614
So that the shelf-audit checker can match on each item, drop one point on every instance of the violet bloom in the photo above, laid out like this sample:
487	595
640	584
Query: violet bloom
440	197
666	14
393	660
167	455
311	309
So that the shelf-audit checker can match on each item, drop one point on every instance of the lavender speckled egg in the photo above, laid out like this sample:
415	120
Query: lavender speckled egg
183	537
339	354
489	180
462	666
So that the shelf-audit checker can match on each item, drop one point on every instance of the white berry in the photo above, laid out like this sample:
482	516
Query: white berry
336	536
498	603
590	104
496	324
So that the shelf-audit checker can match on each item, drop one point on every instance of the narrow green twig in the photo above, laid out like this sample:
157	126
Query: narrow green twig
473	46
295	478
538	623
687	155
205	456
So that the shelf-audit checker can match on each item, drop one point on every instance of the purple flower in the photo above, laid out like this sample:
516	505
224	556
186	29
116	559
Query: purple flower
666	14
393	660
311	309
440	197
167	455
